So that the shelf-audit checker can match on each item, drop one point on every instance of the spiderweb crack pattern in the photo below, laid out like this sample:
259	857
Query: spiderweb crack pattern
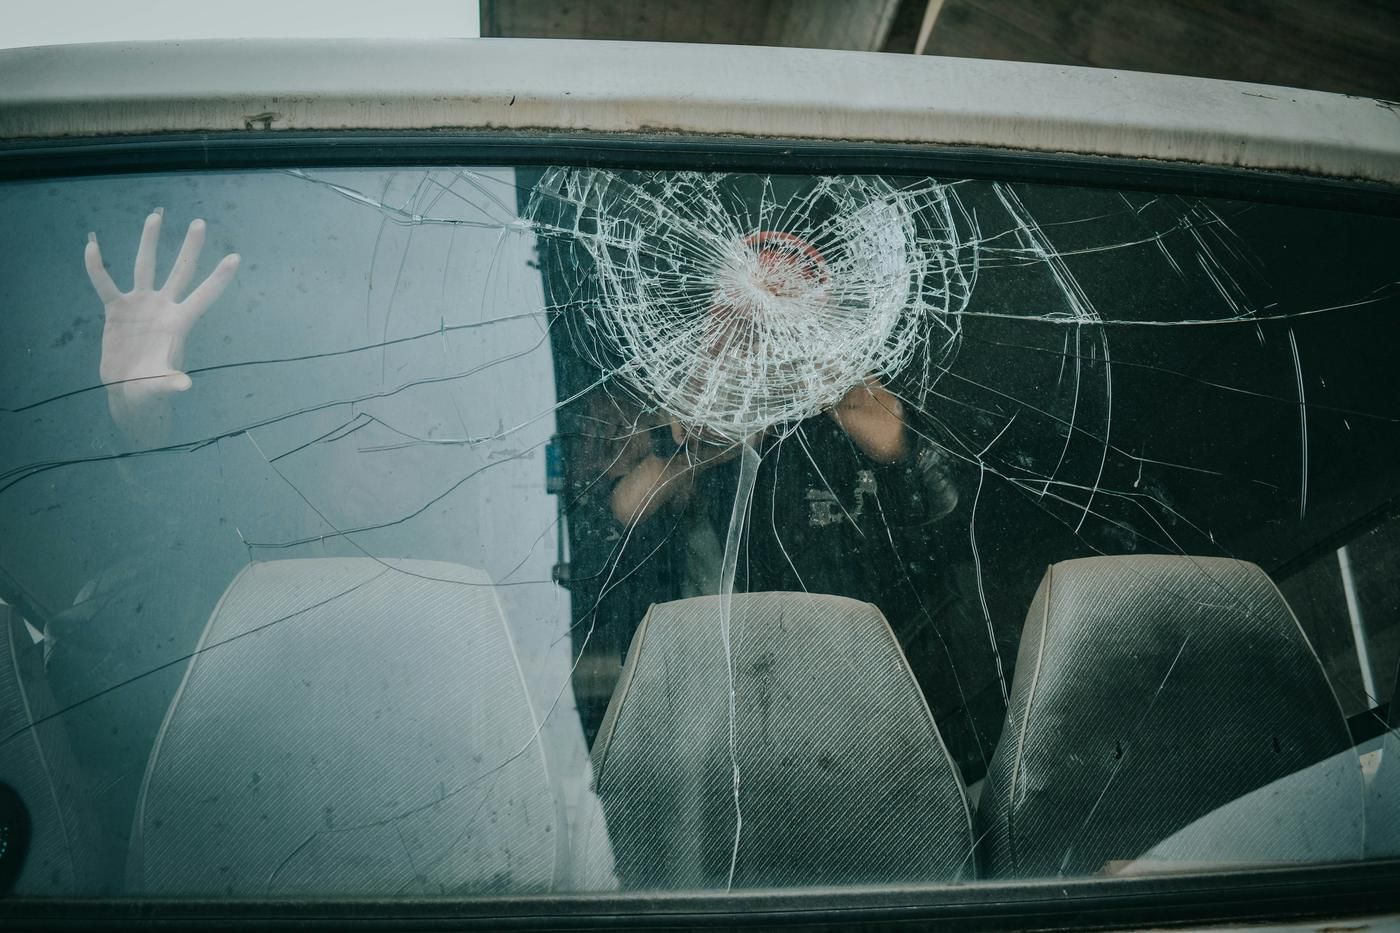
735	316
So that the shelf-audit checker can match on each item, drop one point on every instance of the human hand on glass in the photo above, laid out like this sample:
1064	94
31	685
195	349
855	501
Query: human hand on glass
144	330
649	480
873	417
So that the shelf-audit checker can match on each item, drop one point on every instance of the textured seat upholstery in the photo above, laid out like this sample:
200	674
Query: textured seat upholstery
37	763
49	865
841	774
350	726
1383	807
1152	692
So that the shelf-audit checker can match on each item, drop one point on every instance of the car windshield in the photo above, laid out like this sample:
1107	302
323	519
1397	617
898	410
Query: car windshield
529	530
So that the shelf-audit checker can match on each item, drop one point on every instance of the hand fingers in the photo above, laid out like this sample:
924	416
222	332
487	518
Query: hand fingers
107	290
183	270
211	288
144	276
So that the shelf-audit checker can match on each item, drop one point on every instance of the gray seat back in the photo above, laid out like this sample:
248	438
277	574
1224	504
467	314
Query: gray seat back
1150	691
350	726
833	773
1383	806
51	864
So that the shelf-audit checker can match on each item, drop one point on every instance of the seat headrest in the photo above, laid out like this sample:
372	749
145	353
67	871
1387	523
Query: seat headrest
1149	691
349	726
841	774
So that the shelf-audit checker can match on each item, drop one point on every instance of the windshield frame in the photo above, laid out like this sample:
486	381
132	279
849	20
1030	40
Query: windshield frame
1369	888
1292	893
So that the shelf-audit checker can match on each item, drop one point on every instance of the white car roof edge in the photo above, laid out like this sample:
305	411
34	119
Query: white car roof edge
569	86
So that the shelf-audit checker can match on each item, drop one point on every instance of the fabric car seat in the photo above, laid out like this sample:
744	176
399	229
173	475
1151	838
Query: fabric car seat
1383	805
350	727
42	851
1151	693
62	854
798	751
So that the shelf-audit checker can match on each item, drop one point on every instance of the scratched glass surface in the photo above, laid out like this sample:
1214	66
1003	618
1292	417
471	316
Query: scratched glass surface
516	531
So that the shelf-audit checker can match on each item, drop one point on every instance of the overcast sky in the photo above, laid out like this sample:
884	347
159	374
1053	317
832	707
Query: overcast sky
48	22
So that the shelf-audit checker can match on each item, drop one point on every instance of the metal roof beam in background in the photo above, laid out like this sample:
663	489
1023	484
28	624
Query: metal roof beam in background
856	25
911	25
1343	46
930	21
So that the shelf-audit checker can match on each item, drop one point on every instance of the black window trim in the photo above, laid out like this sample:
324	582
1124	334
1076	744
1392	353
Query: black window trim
67	157
1333	892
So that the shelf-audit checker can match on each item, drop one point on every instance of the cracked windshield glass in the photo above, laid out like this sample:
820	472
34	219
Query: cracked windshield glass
526	530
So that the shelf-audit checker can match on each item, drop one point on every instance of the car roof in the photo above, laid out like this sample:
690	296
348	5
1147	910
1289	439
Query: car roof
211	86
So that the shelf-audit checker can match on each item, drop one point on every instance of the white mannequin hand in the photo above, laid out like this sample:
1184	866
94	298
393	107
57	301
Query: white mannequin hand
143	337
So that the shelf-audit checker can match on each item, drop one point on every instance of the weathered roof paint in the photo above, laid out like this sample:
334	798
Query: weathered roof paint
110	89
